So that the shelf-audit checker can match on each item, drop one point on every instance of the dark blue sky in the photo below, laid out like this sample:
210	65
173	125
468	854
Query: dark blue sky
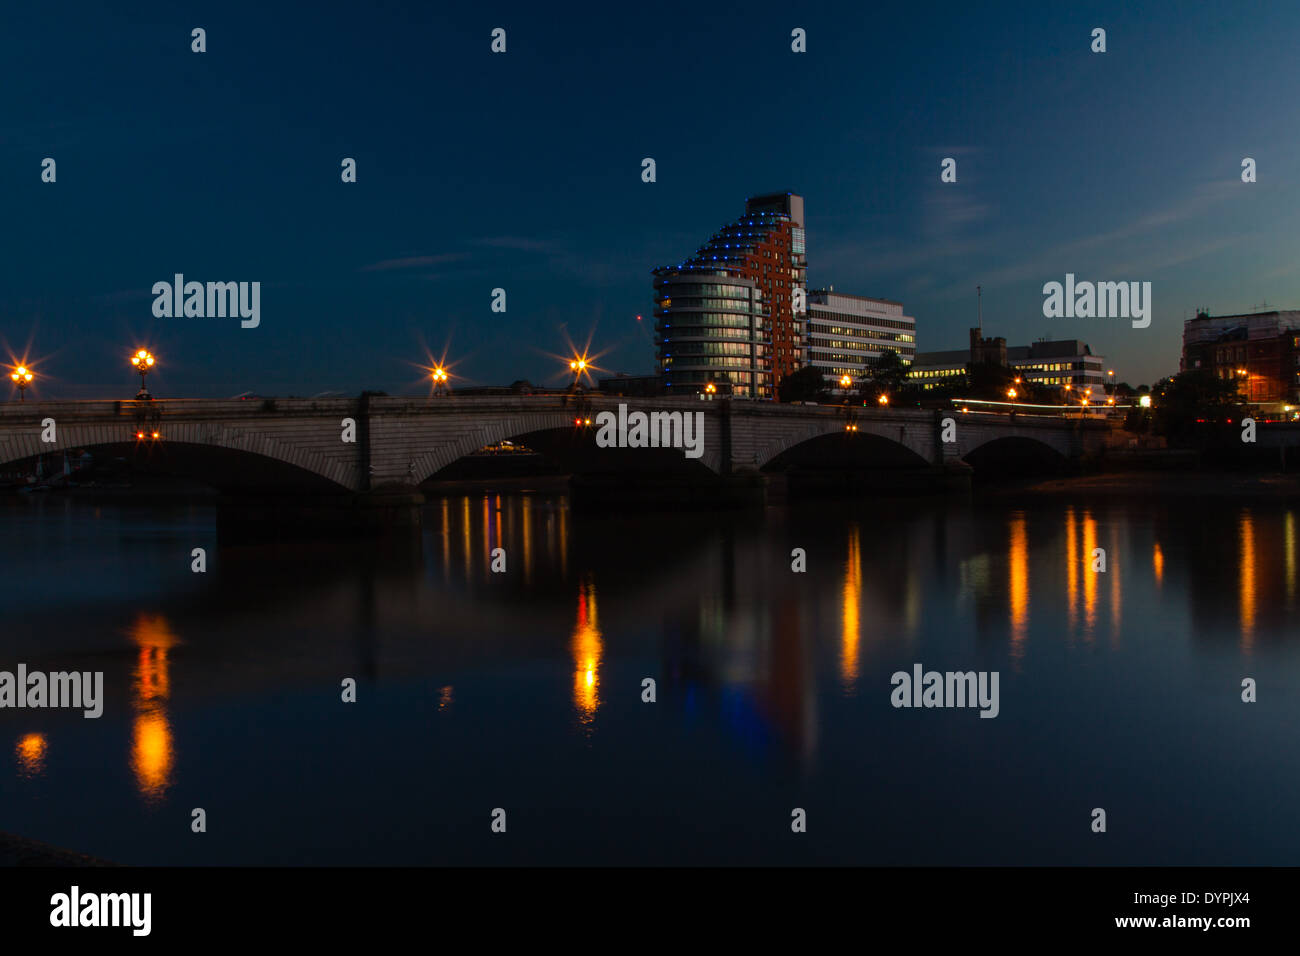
523	171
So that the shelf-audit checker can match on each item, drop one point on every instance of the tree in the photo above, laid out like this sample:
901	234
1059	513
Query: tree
1195	394
990	381
802	385
889	372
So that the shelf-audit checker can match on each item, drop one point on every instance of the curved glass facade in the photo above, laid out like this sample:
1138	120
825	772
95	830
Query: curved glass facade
712	326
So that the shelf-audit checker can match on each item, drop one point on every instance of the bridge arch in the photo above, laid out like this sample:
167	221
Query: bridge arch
223	456
897	441
1016	454
559	439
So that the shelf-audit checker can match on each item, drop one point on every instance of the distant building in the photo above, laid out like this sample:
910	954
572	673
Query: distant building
1046	362
846	334
518	387
631	385
1260	351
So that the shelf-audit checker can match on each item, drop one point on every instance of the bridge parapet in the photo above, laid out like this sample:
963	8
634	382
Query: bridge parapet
401	441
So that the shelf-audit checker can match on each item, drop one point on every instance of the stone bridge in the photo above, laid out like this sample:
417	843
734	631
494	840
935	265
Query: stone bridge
371	443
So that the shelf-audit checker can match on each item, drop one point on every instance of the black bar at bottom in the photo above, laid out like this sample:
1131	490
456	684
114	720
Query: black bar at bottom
336	906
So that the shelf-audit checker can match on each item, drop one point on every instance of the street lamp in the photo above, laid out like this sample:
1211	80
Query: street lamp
22	377
143	361
1011	392
1144	401
439	376
578	366
883	399
710	390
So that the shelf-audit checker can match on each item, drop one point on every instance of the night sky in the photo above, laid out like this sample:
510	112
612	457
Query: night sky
523	171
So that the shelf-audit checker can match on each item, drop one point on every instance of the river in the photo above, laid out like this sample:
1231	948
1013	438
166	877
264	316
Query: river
523	690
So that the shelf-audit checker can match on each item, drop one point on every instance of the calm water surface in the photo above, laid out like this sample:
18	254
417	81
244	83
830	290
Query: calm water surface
522	690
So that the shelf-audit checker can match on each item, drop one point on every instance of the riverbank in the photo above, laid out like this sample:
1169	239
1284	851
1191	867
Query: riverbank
19	851
1161	484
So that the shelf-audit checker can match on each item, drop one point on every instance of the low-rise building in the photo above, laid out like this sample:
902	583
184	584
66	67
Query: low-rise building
848	333
1054	363
1259	351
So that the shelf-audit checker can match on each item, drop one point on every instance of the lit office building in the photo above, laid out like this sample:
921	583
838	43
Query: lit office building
847	334
1046	362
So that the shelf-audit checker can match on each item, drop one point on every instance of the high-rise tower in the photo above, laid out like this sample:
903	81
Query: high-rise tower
765	247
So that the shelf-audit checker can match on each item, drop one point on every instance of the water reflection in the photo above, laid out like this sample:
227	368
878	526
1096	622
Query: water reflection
1116	588
1089	575
1289	544
1018	584
1071	571
31	755
1246	580
587	647
850	605
152	749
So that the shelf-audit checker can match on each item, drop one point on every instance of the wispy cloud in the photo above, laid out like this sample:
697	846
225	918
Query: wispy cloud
521	243
413	262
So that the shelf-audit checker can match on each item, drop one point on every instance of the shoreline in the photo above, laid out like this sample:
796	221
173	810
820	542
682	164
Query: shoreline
1135	483
20	851
1161	484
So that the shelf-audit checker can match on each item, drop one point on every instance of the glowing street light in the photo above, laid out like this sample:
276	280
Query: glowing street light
143	361
439	376
578	366
846	381
22	377
1144	401
1011	392
883	399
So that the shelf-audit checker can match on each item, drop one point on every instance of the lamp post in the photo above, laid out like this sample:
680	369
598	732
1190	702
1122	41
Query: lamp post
22	377
143	361
709	391
577	367
439	376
